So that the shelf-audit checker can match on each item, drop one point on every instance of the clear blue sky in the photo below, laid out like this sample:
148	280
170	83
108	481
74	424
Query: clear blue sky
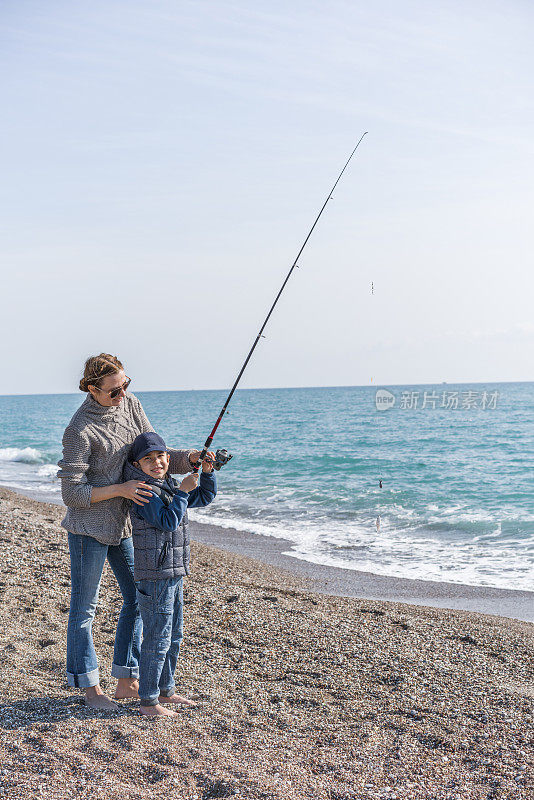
162	162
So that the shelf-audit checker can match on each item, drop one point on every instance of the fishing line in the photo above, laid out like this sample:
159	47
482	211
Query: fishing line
222	456
378	521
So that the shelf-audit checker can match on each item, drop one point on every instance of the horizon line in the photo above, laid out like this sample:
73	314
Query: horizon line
279	388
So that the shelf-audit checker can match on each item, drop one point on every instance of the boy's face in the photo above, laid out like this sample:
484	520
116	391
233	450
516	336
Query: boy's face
154	464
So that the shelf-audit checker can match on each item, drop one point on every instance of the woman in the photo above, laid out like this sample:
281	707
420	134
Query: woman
95	448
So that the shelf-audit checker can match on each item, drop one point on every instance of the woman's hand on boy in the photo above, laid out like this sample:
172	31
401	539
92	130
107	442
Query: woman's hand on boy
137	491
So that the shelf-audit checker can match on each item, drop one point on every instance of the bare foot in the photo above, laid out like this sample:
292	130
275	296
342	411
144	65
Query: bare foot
127	688
95	698
177	699
157	711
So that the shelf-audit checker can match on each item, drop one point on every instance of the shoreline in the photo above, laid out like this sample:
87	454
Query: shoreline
339	582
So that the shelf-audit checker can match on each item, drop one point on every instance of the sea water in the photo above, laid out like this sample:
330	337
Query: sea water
455	462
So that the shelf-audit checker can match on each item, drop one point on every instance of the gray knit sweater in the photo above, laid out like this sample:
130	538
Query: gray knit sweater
95	448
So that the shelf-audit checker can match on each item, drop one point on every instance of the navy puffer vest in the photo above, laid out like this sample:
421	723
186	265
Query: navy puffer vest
158	554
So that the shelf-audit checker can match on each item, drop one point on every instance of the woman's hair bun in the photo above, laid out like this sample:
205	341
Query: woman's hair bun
97	367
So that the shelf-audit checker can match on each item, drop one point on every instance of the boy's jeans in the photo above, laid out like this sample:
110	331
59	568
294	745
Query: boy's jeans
161	604
87	558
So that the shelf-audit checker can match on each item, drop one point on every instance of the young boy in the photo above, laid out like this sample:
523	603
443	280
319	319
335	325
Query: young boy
161	559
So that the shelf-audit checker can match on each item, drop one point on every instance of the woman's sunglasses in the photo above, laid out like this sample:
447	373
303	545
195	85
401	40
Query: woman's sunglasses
113	393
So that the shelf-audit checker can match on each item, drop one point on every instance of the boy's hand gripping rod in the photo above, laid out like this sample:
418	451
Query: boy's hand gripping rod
209	440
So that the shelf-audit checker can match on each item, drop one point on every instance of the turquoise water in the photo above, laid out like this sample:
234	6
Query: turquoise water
456	503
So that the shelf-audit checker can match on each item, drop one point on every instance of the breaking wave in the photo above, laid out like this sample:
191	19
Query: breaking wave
21	455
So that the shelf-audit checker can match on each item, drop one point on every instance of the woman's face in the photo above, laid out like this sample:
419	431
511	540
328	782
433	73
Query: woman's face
107	384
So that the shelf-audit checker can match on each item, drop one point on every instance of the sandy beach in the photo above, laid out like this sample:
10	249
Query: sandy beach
303	692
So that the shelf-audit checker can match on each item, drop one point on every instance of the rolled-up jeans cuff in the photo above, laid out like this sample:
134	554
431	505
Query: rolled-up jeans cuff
124	672
84	680
167	692
149	701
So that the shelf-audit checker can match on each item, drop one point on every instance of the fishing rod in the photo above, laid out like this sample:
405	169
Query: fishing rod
222	456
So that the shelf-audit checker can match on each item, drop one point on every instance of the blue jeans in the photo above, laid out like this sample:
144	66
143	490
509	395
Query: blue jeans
87	558
161	604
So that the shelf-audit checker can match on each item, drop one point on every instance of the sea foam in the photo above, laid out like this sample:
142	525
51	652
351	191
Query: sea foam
47	471
24	455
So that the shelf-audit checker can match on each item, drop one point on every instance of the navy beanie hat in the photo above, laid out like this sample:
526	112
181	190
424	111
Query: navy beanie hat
144	444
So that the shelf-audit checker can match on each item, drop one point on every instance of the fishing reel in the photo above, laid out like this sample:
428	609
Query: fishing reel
222	457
